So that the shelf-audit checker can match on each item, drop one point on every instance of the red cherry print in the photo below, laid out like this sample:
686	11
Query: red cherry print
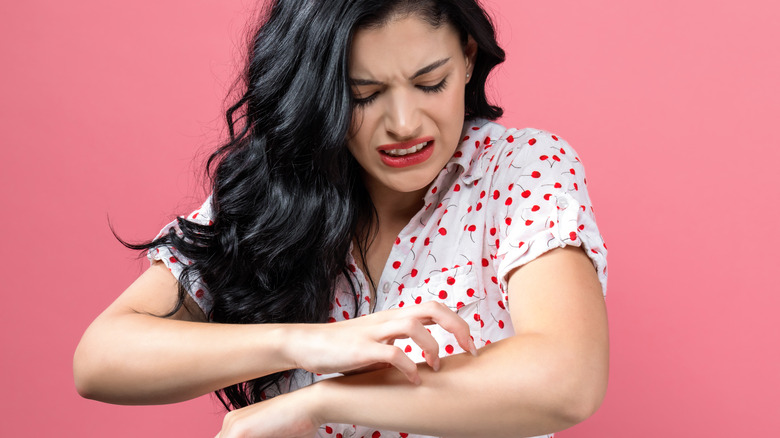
199	293
427	280
211	223
195	215
544	157
535	174
427	241
557	185
493	231
511	186
496	194
404	435
418	300
338	302
494	280
528	222
468	210
552	224
476	144
460	305
508	221
495	169
485	262
475	128
500	324
581	227
401	304
328	429
345	314
397	240
458	154
376	434
575	186
331	319
479	206
466	138
497	244
535	208
532	142
443	231
396	264
400	288
173	260
482	194
450	280
442	294
555	138
525	194
510	139
449	349
352	268
414	272
508	201
547	196
456	188
594	251
338	435
444	269
501	304
470	292
555	157
573	235
472	228
572	171
482	324
605	245
477	317
408	349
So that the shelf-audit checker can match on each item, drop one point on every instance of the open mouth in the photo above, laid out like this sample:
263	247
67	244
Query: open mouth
401	152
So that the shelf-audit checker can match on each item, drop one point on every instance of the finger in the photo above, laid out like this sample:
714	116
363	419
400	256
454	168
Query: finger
450	321
414	329
397	358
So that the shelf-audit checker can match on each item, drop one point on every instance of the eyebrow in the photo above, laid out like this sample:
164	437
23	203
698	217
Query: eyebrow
427	69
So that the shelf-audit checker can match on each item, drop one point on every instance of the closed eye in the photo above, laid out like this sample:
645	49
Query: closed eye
434	88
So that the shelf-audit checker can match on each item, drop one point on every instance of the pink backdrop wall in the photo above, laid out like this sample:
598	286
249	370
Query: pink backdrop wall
108	108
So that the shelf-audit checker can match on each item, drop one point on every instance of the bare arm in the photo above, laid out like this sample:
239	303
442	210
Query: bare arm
130	356
551	375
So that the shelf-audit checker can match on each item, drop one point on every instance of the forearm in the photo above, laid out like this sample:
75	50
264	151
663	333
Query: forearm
142	359
513	388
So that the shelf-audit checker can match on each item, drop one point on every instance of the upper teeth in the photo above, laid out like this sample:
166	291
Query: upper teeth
411	150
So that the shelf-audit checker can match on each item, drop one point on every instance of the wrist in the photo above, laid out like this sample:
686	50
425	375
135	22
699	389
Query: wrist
317	402
286	339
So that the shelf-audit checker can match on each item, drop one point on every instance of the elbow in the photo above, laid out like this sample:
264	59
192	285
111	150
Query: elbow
83	378
583	395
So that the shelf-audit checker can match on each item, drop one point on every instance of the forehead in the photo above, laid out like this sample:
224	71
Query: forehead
401	46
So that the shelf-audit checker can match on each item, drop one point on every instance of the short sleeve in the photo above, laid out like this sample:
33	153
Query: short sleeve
175	261
553	208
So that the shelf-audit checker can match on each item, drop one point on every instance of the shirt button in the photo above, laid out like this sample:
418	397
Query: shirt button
562	202
386	287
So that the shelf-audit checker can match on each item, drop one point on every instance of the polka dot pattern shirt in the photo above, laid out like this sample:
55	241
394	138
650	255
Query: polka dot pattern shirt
506	197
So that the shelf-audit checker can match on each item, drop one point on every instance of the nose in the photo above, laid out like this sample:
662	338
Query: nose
402	116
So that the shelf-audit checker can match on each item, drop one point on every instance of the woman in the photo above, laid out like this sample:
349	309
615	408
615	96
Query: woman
368	232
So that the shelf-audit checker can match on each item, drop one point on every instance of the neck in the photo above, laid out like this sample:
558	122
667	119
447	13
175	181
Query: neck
395	208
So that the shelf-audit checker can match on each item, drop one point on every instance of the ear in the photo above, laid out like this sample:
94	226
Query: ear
470	53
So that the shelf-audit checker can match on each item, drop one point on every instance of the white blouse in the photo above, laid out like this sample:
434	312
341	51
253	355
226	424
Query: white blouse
506	197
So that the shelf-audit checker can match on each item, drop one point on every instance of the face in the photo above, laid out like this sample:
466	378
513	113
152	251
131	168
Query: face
408	79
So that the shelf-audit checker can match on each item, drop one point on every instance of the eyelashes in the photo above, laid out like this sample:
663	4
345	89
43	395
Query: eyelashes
424	88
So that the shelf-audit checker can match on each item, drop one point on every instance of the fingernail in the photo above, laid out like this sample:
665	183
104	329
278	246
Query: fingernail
473	349
437	365
418	381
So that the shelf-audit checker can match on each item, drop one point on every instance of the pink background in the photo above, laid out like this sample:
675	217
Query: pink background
108	109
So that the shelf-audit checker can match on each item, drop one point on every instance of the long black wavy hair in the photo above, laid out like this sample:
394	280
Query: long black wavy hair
287	195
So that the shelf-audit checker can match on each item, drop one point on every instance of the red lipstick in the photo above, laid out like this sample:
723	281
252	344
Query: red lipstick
407	153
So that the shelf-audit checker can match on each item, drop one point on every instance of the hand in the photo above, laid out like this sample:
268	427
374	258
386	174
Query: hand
285	416
366	343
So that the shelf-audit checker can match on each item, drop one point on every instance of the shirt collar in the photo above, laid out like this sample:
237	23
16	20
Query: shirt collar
467	150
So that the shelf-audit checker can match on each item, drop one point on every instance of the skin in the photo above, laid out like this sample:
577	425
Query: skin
556	365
